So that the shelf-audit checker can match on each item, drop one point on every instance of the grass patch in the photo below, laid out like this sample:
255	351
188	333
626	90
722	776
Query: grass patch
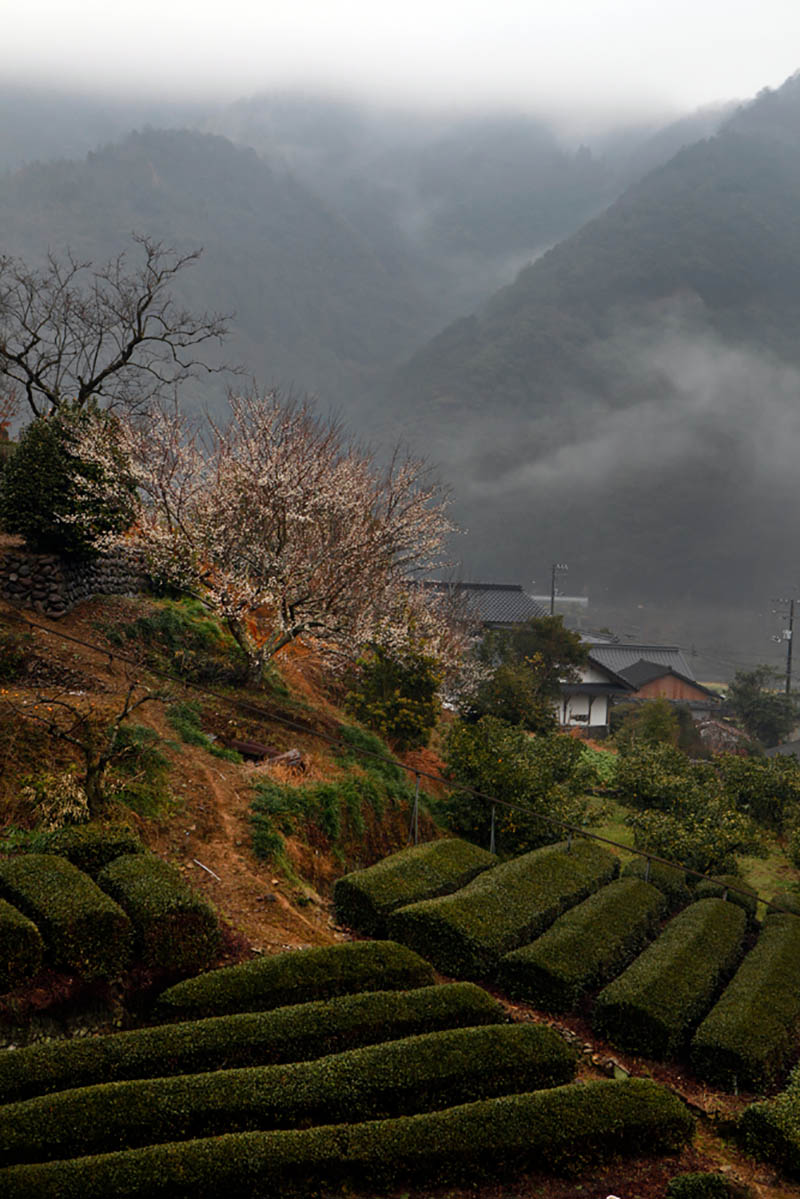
141	778
185	718
335	810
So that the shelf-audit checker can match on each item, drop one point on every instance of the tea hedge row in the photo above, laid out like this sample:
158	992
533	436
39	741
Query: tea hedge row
732	888
417	1074
364	899
670	880
467	933
747	1038
21	948
568	1128
288	1034
174	927
83	929
652	1006
771	1130
585	947
91	847
297	977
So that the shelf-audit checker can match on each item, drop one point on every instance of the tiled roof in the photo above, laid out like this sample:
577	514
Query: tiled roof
494	603
620	658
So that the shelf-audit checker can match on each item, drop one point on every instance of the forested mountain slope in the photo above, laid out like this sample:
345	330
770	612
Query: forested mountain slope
634	388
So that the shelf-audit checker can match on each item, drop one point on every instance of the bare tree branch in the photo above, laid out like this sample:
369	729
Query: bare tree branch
71	332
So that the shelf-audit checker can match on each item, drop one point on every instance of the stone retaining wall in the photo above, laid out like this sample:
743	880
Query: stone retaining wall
53	585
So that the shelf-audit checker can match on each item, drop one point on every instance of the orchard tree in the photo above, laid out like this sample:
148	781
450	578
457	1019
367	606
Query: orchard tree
766	714
72	332
287	528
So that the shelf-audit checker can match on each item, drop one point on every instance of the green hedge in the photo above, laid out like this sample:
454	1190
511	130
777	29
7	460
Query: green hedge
652	1006
670	880
585	947
288	1034
565	1129
365	898
466	934
734	888
297	977
175	928
21	947
787	901
417	1074
82	928
90	847
699	1186
771	1130
746	1039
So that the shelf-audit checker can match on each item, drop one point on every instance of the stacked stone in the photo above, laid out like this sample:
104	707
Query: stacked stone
52	585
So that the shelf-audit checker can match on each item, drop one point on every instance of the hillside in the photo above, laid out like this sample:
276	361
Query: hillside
654	352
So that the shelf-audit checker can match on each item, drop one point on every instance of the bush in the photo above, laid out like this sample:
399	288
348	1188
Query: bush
700	1186
396	696
21	947
58	502
82	928
466	934
416	1074
652	776
765	788
746	1039
287	1034
705	835
90	847
175	929
771	1130
306	974
652	1006
565	1129
585	947
365	898
670	880
545	775
732	888
786	901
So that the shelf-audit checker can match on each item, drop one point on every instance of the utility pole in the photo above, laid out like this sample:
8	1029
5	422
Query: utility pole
557	566
787	636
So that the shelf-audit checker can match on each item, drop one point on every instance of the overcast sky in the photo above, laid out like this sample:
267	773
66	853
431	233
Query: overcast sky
611	55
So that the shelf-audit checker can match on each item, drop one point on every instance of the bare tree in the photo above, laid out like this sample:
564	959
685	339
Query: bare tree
71	332
81	724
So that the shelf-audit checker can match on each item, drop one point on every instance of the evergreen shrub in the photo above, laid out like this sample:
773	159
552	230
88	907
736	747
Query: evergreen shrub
287	1034
21	947
365	898
565	1130
585	947
746	1039
670	880
737	891
652	1006
90	847
699	1186
297	977
467	933
83	929
175	928
771	1130
417	1074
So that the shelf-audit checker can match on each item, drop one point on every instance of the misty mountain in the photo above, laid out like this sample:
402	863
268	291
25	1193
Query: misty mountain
315	304
463	200
628	403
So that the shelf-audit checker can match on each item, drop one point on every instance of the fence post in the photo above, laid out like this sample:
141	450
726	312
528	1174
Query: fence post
491	834
647	871
569	841
413	832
